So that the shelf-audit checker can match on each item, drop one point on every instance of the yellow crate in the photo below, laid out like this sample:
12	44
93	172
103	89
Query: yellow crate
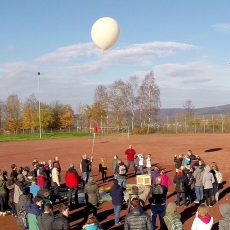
143	179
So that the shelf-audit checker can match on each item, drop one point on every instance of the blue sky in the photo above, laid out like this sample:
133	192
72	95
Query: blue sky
186	44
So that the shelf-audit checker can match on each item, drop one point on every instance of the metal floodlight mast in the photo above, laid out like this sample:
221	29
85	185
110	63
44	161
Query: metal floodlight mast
39	107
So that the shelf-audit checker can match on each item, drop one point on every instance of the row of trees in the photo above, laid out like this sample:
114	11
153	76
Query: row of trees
16	116
132	103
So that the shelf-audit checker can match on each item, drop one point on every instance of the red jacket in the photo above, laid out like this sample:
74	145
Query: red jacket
71	178
41	181
130	154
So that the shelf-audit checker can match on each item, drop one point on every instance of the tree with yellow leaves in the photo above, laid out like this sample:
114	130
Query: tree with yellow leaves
30	114
67	117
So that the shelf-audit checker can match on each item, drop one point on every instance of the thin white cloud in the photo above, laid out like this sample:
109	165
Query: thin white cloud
221	27
68	73
68	53
189	73
137	54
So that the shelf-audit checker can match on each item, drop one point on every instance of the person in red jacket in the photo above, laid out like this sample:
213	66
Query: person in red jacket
72	182
130	153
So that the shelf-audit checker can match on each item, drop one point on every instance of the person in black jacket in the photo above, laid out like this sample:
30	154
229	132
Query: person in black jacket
61	222
45	221
117	194
178	161
158	201
181	182
137	219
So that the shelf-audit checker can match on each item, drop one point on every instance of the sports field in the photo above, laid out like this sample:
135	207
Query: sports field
162	148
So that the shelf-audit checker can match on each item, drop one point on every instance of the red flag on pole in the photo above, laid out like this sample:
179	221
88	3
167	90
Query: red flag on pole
95	127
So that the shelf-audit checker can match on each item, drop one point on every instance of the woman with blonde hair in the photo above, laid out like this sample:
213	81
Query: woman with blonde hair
172	219
218	180
202	221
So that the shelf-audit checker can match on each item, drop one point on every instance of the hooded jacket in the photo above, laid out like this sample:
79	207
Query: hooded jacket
165	181
181	181
71	178
92	193
137	219
45	221
224	222
33	212
60	223
202	223
198	175
3	187
173	221
117	194
208	178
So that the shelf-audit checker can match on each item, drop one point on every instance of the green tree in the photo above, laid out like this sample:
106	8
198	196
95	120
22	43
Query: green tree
13	113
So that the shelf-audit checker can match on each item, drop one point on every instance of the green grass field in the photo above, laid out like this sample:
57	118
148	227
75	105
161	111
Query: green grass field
35	136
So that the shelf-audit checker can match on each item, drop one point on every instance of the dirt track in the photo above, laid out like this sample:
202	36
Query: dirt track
162	148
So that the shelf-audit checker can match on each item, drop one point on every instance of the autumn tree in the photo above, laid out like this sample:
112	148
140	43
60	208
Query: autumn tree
13	113
46	116
30	114
57	110
67	117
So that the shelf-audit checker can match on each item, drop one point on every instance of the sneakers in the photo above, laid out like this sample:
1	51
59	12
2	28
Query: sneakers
196	202
119	223
210	205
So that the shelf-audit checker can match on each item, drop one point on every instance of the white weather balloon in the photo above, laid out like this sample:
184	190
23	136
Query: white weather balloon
105	32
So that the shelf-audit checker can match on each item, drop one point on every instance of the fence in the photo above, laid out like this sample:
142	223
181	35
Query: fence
197	124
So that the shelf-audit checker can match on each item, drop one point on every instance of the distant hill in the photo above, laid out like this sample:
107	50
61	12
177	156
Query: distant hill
215	110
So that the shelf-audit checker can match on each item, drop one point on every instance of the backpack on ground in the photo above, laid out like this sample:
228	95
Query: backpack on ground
122	170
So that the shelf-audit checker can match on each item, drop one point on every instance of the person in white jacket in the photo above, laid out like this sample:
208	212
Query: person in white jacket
56	179
202	221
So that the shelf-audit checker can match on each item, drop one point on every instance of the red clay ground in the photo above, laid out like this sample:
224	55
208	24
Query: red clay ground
162	147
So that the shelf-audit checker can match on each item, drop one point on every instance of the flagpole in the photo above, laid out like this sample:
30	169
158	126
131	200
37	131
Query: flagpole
94	135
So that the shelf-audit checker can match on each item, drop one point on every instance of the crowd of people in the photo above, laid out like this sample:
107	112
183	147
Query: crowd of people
30	194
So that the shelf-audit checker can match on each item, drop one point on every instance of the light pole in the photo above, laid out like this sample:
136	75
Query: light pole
39	107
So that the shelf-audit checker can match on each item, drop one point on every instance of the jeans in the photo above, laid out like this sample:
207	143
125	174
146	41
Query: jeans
148	170
103	176
214	188
141	168
70	195
122	182
179	195
199	190
133	164
85	176
2	202
208	196
160	210
117	209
